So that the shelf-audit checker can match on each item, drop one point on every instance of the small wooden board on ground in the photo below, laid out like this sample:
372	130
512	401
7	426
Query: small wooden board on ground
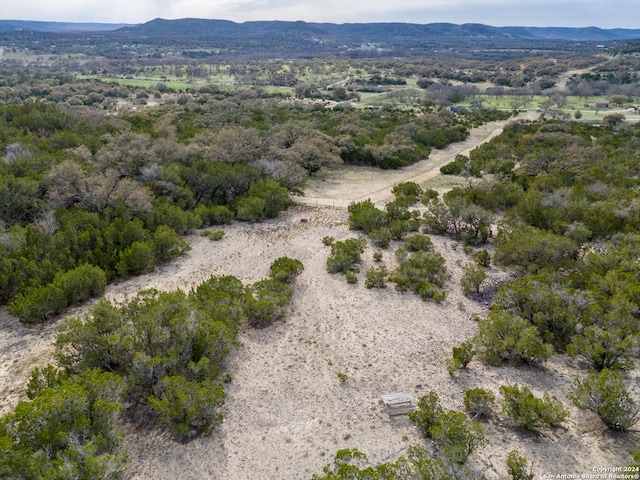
397	403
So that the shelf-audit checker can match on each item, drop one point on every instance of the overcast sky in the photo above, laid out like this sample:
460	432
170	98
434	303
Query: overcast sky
542	13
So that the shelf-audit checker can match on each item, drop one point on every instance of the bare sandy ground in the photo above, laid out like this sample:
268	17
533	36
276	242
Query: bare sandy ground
287	412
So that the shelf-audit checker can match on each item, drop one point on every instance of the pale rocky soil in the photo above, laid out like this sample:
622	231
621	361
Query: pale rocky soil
287	413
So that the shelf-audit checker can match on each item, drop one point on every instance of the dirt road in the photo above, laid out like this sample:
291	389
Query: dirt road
340	186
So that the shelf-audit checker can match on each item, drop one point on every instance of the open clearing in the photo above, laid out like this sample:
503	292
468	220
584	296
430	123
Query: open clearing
287	412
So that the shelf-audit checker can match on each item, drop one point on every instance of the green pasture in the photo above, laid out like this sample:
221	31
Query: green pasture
220	75
148	82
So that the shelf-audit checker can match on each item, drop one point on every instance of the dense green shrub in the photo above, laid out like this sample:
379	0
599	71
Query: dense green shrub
169	347
502	336
457	436
437	219
214	214
188	408
285	269
428	412
43	378
136	259
81	283
423	273
551	307
276	197
428	195
366	216
265	302
459	165
345	255
418	242
407	192
454	433
482	257
399	228
38	304
604	348
531	249
399	210
351	277
167	244
166	213
66	431
381	238
605	394
529	411
251	208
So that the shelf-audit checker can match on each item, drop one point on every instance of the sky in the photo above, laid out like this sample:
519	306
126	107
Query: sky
540	13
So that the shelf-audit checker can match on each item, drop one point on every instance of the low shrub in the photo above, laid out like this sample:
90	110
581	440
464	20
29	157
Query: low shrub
528	411
423	273
517	467
605	394
376	277
479	402
461	356
418	243
472	278
482	257
408	192
285	269
214	235
345	255
453	432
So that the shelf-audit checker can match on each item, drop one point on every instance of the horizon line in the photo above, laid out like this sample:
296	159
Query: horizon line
94	22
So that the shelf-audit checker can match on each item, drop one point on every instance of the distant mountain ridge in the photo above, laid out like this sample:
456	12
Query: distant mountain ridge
58	27
197	27
573	33
196	38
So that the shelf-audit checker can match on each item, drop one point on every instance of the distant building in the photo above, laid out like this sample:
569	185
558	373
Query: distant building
456	108
601	105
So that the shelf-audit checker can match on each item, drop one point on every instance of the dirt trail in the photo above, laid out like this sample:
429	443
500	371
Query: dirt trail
339	187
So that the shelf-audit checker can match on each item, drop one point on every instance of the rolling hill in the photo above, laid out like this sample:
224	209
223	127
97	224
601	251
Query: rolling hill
201	38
